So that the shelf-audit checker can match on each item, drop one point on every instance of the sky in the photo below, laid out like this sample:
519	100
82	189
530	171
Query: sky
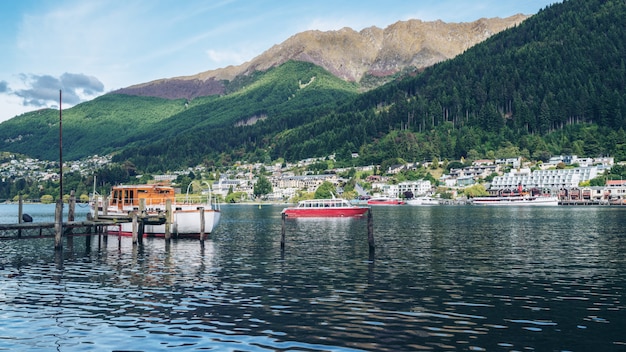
87	48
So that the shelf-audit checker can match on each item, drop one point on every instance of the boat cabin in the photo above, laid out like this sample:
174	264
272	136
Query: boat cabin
324	203
130	195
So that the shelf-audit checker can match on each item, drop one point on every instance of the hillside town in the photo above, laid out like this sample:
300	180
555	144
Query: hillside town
567	177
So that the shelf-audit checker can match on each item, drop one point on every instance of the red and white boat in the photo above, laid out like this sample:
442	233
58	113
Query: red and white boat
335	207
186	220
385	201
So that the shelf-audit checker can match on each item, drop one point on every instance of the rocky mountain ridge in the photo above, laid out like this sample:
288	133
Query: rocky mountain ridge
346	53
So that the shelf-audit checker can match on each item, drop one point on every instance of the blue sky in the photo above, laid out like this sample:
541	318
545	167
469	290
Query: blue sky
91	47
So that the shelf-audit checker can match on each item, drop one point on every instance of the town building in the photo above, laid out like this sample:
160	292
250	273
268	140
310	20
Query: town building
543	179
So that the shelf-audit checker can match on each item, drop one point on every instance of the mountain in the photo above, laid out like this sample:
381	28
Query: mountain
348	54
554	84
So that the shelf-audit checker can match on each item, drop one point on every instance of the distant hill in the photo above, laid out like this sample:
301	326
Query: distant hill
372	53
114	122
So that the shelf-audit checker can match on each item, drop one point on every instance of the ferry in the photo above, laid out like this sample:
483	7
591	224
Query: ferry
185	221
335	207
517	200
426	200
385	201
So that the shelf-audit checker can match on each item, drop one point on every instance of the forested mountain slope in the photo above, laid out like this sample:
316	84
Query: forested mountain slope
554	84
177	130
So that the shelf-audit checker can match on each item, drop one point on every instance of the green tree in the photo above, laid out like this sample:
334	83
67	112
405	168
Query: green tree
262	186
46	199
325	190
236	197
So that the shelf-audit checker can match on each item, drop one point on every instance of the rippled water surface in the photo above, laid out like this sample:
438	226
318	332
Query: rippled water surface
441	278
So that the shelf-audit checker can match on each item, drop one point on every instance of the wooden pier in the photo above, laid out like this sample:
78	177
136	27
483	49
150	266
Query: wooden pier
59	229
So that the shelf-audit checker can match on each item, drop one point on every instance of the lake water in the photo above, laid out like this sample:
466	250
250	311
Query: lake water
441	278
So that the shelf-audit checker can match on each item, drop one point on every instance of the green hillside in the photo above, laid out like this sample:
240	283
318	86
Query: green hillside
555	84
115	122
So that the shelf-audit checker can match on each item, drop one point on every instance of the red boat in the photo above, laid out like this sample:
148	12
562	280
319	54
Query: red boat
336	207
385	201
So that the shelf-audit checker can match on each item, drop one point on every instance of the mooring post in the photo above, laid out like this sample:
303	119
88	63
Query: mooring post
202	234
142	230
58	225
142	219
20	213
282	232
135	227
370	230
70	211
72	206
168	219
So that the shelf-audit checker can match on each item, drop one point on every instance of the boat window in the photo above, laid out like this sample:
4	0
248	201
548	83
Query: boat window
130	194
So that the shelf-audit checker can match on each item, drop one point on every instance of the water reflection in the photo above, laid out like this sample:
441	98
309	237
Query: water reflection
442	278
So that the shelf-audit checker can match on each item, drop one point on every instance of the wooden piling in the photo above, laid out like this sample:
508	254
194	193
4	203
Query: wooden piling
58	225
135	227
70	211
72	206
168	219
20	213
282	232
370	231
141	224
202	234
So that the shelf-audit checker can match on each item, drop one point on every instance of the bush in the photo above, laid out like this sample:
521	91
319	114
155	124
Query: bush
46	199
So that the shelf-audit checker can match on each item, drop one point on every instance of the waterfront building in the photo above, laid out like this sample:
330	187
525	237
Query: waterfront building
418	188
544	179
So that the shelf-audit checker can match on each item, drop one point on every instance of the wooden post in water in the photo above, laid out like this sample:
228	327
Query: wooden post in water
142	220
70	211
20	213
202	234
135	227
168	219
58	225
282	232
370	231
72	206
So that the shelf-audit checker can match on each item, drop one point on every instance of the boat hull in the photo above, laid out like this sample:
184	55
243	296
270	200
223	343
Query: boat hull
423	201
325	212
385	202
184	224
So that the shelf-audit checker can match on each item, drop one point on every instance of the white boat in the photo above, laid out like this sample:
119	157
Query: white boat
335	207
517	200
426	200
186	220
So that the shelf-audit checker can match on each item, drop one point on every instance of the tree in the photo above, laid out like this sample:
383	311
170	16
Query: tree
262	186
325	190
46	199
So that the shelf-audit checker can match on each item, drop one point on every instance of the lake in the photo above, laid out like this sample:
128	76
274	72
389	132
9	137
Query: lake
441	278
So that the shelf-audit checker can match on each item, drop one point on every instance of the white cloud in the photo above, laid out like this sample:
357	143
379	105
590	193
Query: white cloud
229	57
